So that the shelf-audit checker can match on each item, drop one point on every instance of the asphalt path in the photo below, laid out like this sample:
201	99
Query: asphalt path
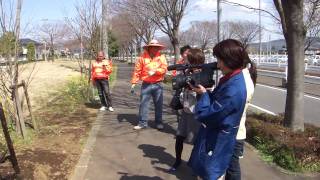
273	100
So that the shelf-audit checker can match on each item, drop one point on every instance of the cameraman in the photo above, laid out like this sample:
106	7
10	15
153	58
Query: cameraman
183	60
187	126
220	112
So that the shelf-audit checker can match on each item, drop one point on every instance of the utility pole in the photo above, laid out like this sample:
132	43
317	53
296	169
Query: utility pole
105	27
218	32
218	20
259	30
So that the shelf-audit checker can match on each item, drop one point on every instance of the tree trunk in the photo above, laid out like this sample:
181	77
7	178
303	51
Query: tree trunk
6	133
175	44
105	27
295	37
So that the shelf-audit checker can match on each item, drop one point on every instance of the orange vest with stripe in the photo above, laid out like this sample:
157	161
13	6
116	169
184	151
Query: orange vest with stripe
145	63
101	69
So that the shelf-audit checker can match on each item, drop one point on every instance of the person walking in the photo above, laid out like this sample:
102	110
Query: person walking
100	72
150	68
220	112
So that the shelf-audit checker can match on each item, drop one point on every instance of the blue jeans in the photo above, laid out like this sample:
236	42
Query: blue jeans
234	172
156	92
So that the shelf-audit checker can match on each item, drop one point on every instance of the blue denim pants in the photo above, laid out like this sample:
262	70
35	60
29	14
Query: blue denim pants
156	92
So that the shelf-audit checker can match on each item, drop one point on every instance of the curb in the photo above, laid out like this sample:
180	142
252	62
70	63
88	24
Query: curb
82	165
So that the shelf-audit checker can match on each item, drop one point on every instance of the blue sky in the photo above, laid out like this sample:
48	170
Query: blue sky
35	12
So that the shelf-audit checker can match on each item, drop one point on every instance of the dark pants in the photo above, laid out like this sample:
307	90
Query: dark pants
234	172
148	91
104	92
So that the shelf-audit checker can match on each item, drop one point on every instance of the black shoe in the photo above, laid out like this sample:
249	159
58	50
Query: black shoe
175	166
159	126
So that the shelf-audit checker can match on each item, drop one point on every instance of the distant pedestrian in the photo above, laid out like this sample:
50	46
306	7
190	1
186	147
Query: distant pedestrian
100	72
220	111
150	68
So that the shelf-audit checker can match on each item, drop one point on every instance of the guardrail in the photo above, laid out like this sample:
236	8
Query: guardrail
276	74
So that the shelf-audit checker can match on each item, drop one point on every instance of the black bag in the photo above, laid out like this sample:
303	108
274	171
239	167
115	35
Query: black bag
175	101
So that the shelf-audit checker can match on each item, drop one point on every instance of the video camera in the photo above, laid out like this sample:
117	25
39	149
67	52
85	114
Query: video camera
205	77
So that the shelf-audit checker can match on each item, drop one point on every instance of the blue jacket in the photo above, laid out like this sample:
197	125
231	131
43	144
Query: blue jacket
220	113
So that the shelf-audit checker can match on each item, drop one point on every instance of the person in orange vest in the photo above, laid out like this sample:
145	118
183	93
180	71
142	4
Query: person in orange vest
183	60
150	68
100	72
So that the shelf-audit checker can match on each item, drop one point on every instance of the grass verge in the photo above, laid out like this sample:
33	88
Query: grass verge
65	123
293	151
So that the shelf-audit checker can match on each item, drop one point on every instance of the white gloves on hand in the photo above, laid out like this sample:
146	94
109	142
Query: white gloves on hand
151	73
132	88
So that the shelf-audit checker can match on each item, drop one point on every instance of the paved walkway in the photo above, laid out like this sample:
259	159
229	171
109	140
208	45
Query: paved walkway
115	151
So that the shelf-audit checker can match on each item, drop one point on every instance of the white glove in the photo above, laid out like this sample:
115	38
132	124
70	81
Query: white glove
151	73
132	88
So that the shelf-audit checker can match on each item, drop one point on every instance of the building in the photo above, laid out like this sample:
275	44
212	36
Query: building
38	48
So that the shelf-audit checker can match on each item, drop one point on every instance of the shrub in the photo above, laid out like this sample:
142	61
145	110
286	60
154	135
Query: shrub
293	151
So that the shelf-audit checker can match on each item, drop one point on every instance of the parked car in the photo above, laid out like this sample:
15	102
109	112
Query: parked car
314	60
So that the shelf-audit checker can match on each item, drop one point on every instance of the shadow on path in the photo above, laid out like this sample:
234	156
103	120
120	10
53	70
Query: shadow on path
160	156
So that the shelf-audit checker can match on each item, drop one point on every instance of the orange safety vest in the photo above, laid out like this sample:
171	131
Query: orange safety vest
180	61
144	64
101	69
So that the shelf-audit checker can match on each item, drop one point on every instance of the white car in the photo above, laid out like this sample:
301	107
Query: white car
315	60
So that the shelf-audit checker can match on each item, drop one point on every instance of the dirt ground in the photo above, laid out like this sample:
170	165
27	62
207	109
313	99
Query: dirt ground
44	78
52	152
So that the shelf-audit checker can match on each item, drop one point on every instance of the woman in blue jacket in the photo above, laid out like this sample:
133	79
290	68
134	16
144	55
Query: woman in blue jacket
220	111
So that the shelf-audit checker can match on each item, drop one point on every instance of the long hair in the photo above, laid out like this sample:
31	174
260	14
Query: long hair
234	56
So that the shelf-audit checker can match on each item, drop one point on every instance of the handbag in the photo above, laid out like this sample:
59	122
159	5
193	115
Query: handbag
175	101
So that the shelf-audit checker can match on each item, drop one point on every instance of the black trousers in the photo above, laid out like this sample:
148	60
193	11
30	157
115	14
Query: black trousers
104	92
234	172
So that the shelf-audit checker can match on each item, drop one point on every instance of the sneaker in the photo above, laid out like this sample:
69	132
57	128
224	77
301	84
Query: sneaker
110	109
138	127
103	108
159	126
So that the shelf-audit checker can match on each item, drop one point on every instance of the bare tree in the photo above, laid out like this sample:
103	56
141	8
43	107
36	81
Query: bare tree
125	33
312	21
201	34
227	31
87	23
7	17
294	31
167	15
295	23
245	31
10	72
52	33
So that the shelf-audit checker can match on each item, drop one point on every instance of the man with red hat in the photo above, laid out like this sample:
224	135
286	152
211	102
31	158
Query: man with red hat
150	68
100	72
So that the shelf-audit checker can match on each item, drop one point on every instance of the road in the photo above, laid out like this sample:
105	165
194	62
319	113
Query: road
273	99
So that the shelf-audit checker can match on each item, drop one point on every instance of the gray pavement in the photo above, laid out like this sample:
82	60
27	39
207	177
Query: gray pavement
274	99
115	151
